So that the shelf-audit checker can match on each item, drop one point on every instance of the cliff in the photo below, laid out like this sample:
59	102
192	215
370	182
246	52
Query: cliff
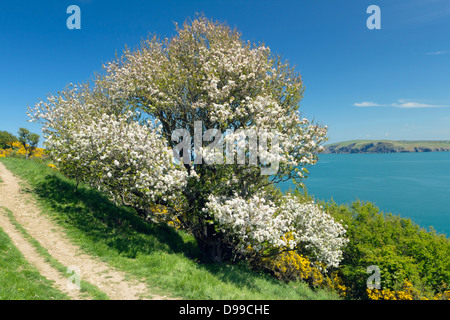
387	146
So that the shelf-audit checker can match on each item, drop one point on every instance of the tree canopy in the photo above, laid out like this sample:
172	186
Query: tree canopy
138	133
6	139
28	140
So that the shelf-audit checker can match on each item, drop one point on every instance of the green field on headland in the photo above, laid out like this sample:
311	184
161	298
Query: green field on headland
387	146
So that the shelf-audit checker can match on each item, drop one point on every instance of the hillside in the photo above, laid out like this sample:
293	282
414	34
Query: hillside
387	146
137	259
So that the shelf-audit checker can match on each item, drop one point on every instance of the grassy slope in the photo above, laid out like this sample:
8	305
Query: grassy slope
407	144
159	255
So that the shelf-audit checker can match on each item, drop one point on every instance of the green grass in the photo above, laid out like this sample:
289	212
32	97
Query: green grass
164	258
85	287
19	280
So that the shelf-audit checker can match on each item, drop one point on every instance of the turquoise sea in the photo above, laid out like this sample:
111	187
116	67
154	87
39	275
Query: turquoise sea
412	185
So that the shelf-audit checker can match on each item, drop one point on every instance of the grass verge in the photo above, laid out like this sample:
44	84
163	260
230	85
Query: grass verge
19	280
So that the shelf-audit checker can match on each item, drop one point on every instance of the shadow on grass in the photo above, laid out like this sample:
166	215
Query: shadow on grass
99	219
90	212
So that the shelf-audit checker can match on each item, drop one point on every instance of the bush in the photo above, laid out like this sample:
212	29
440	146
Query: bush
269	228
413	262
17	150
294	266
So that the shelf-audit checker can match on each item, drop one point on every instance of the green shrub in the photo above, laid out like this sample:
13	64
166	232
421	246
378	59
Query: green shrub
400	248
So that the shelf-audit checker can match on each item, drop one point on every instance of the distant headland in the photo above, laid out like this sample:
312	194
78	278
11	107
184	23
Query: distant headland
387	146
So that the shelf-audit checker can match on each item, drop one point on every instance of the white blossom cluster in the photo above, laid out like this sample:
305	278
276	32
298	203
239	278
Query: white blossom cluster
112	152
316	230
208	73
260	224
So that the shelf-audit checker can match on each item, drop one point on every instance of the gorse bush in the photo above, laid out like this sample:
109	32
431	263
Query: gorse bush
294	266
407	292
16	149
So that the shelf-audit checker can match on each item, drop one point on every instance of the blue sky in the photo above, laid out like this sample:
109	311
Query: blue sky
391	83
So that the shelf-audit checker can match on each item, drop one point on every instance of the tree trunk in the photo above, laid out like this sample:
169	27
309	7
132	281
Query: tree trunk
76	187
212	245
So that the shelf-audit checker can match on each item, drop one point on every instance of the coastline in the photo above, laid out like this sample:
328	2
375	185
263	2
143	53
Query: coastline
387	146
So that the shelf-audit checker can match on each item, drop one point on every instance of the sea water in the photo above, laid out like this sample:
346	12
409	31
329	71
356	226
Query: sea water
412	185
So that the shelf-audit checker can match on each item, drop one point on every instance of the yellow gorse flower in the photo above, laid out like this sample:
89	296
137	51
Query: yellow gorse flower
408	292
293	266
17	148
52	166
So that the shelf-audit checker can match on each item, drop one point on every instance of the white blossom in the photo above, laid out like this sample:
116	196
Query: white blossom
89	142
258	223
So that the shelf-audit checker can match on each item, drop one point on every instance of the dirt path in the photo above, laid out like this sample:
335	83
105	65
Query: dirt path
36	259
51	237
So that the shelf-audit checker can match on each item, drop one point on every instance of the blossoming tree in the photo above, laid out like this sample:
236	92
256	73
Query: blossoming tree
206	76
